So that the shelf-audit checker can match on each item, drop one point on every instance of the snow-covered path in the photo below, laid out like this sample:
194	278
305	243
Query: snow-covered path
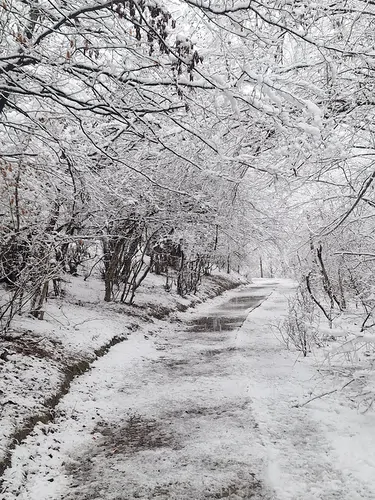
322	451
195	414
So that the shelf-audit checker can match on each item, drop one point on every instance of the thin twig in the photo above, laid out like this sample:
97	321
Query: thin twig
322	395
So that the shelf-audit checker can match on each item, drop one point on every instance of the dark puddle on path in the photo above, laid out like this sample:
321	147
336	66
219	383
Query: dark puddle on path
231	314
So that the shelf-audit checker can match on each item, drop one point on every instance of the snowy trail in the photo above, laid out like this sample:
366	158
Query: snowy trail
195	415
323	451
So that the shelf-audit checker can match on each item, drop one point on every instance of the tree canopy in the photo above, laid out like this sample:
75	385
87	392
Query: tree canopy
237	127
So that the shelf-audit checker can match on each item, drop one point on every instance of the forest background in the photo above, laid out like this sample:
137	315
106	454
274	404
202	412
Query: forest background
187	136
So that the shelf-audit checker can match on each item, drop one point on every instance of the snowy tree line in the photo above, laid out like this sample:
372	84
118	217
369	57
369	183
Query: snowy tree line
213	129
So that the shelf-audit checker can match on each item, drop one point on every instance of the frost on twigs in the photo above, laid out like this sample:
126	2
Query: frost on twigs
352	354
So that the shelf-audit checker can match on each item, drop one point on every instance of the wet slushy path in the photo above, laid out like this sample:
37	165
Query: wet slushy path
231	314
165	417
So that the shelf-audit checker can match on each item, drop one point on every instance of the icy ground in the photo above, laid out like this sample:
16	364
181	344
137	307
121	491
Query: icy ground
201	412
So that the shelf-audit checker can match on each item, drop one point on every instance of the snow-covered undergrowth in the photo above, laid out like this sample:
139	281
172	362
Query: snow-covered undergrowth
342	353
347	354
39	359
320	446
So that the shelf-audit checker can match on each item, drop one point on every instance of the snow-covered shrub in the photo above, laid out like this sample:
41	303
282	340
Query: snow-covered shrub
298	329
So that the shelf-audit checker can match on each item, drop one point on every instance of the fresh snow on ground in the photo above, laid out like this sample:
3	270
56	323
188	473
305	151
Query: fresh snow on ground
183	413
